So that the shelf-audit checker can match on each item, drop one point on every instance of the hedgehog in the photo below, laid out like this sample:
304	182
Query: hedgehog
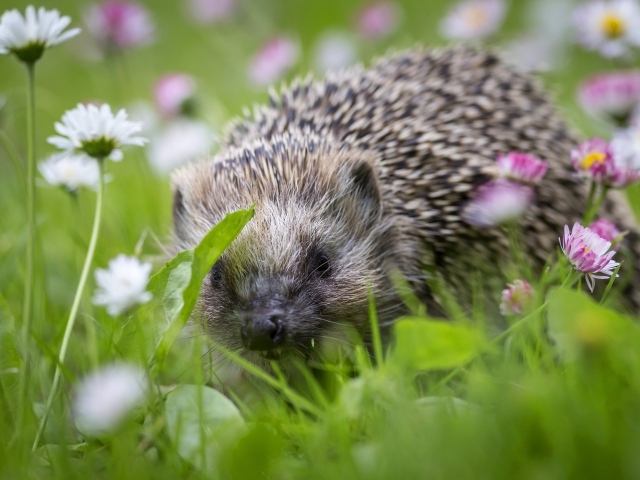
360	180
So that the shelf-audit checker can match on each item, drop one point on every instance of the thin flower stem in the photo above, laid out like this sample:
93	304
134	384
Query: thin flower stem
518	324
588	210
27	305
594	204
76	304
571	278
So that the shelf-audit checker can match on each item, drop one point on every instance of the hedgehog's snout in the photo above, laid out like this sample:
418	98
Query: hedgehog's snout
264	316
263	329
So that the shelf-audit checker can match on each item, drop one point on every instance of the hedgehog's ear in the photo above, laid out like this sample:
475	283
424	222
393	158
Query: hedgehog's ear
366	186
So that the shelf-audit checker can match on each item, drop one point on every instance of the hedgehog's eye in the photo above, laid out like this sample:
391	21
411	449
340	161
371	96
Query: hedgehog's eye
215	275
320	264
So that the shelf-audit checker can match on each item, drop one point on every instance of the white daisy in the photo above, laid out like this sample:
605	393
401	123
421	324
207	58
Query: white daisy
28	36
107	396
123	285
72	172
96	132
588	253
335	50
473	19
180	142
608	27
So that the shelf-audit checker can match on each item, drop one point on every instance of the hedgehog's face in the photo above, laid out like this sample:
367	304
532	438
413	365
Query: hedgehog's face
300	274
290	282
297	277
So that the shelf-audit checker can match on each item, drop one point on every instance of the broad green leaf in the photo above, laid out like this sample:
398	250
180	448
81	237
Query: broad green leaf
178	283
432	345
200	422
9	358
576	322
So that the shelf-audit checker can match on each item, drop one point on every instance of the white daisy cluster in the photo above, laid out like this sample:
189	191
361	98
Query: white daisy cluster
609	27
72	172
28	36
96	132
123	285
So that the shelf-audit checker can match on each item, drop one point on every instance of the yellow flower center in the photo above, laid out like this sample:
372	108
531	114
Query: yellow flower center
612	25
590	159
586	249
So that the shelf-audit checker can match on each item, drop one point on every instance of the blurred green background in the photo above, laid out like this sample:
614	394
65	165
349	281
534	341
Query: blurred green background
541	417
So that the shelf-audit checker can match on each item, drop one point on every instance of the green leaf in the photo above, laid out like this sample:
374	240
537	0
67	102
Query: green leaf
577	322
178	283
433	345
201	422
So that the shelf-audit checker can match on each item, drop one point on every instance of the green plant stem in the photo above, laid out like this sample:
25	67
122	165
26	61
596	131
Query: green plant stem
76	304
589	207
27	304
571	279
594	203
518	324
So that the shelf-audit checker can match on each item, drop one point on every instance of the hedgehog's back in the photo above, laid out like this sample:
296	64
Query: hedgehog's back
436	121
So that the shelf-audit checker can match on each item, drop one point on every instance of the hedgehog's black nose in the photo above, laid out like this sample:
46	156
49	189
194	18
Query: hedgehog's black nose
263	332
